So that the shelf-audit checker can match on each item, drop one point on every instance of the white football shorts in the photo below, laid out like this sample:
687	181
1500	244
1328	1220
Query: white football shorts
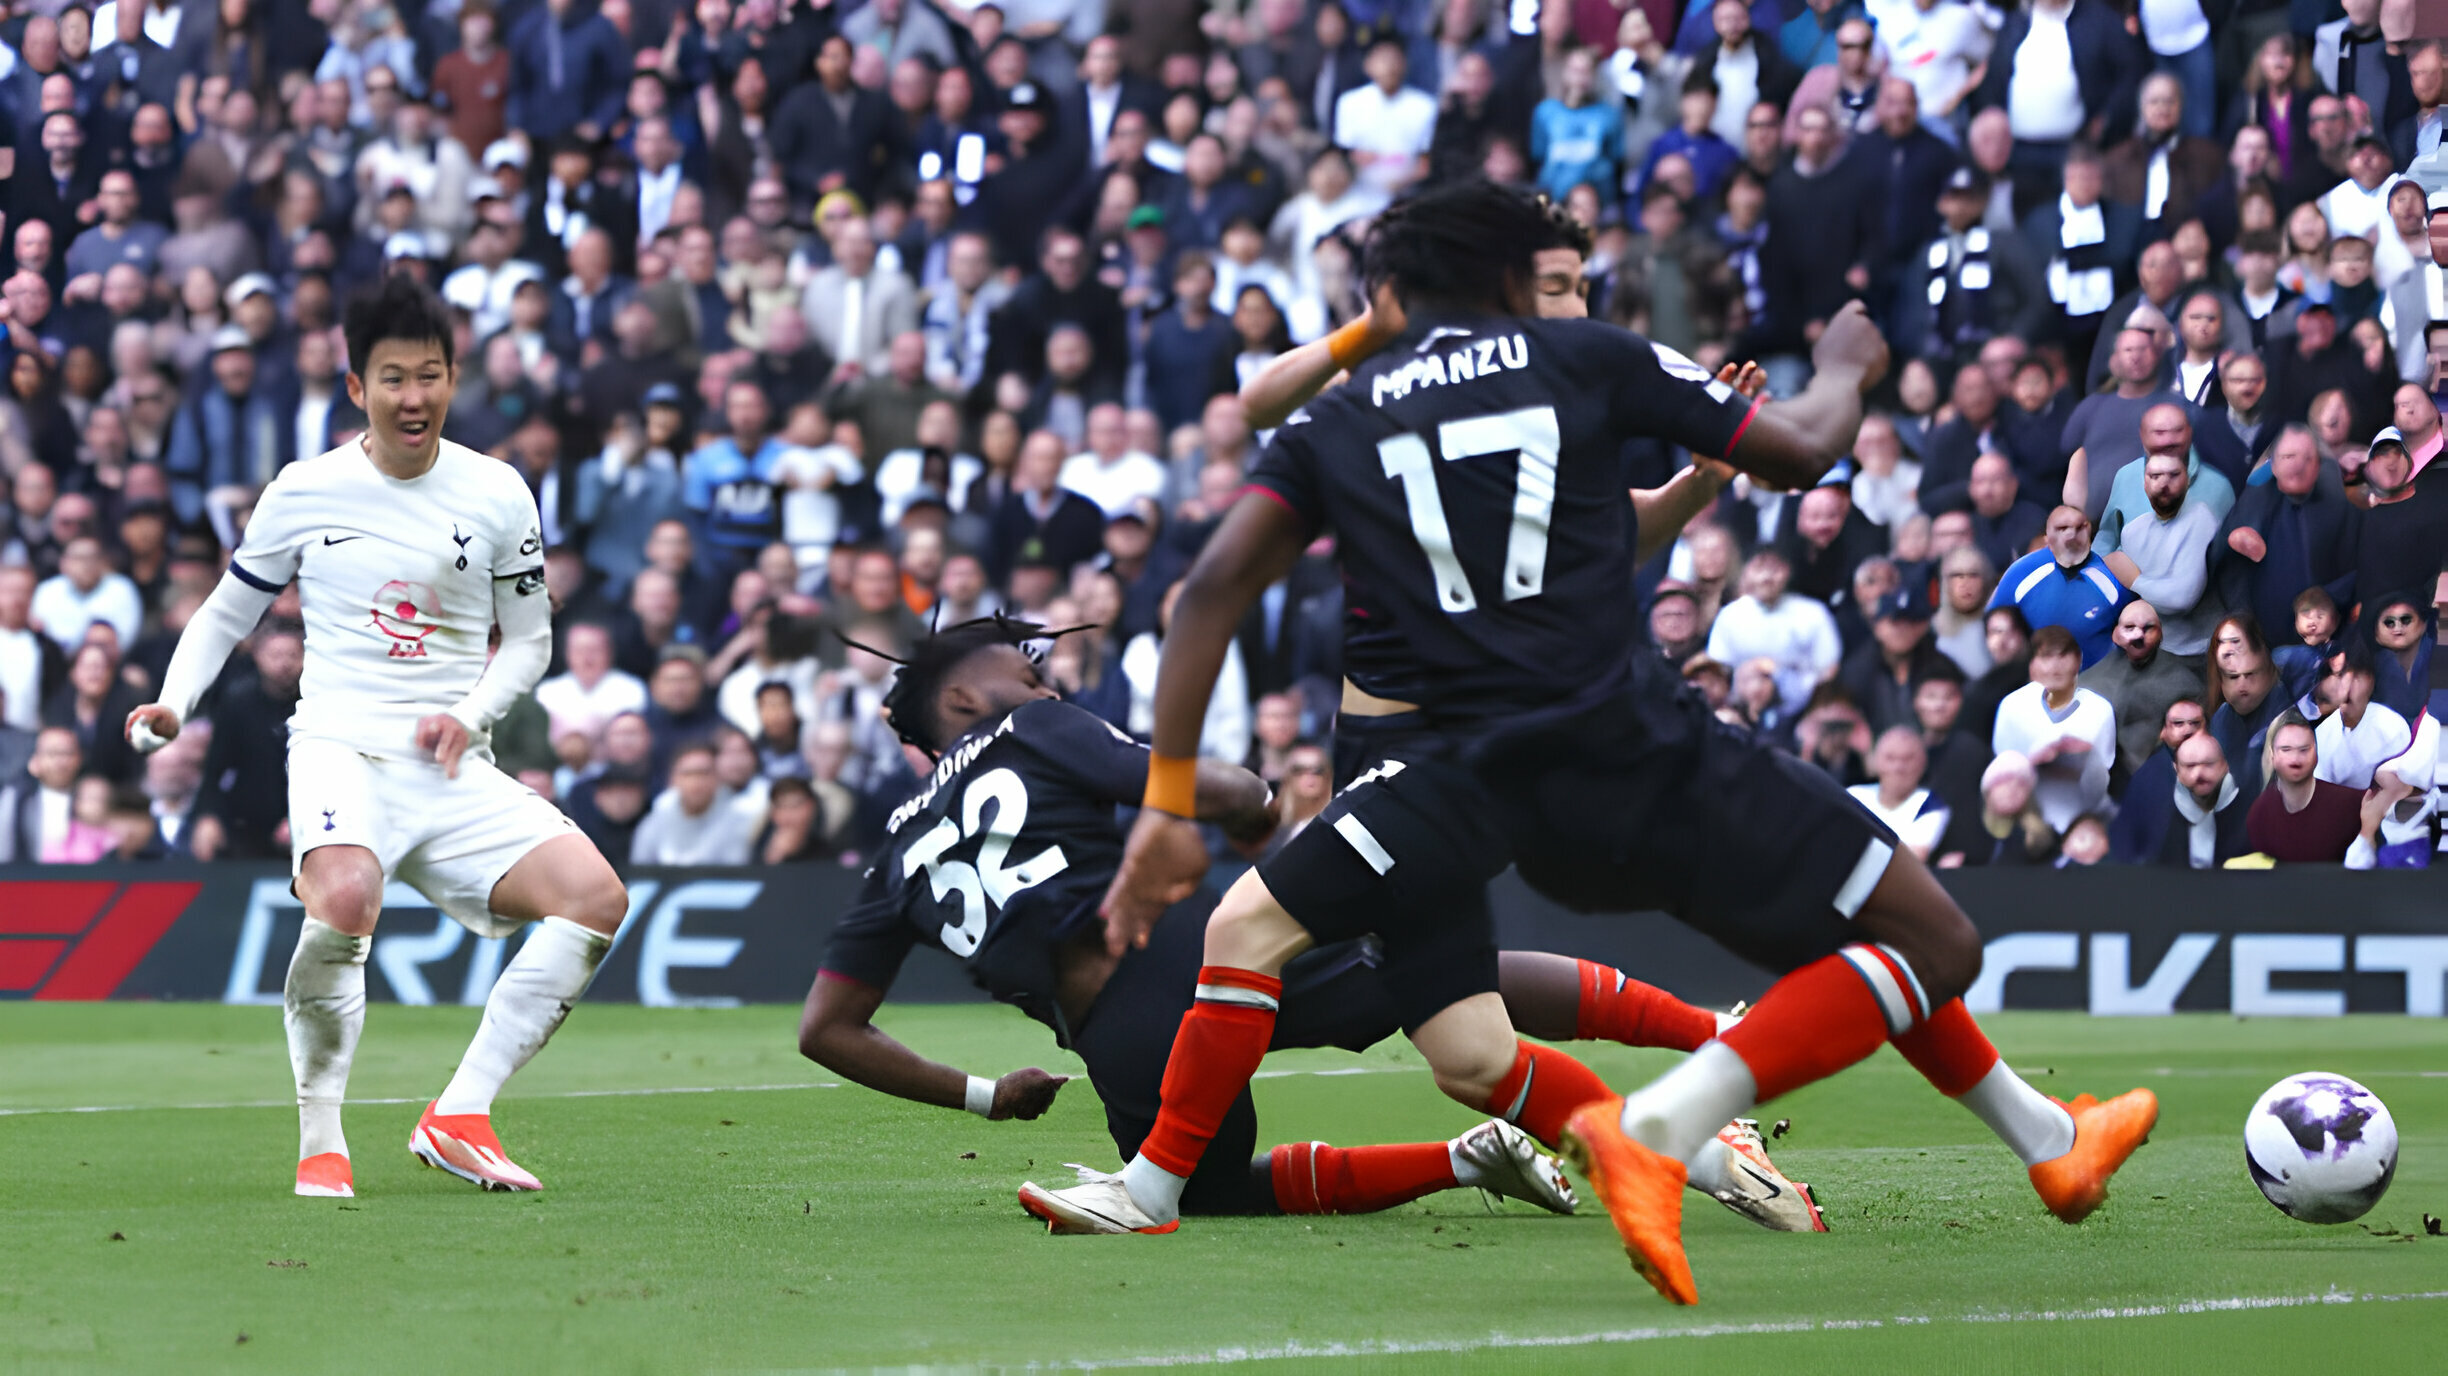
449	839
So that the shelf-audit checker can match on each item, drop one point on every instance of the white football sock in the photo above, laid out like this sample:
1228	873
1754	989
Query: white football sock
1678	1113
323	1010
1154	1189
1711	1168
528	1002
2030	1123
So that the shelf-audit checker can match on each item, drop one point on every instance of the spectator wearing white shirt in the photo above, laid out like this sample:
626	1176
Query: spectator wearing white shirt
1109	472
483	287
29	663
35	810
585	699
1225	735
1942	48
692	823
1899	798
2356	736
2067	731
2358	206
1386	125
1795	633
84	591
904	472
811	473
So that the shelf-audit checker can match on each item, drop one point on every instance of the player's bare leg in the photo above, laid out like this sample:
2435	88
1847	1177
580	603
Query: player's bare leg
569	891
323	1004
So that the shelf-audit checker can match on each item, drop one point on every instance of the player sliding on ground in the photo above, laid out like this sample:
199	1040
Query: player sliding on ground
1001	861
407	551
1513	718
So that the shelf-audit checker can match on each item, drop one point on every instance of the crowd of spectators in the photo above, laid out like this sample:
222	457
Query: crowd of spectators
813	323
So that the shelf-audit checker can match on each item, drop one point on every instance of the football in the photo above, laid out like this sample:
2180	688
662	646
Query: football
2321	1147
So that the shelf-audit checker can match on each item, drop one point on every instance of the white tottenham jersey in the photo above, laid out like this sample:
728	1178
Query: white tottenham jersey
396	580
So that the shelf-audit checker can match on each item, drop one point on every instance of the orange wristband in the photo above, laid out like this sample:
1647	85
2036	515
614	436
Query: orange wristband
1172	785
1349	345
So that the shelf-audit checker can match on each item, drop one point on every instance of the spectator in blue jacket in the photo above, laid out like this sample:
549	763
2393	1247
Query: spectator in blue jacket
230	433
2066	585
569	72
730	488
1573	138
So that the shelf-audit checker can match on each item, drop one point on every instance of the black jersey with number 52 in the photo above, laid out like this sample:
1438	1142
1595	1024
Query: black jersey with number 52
1001	857
1472	474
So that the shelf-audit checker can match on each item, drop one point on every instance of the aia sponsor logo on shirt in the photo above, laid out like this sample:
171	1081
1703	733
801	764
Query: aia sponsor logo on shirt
407	613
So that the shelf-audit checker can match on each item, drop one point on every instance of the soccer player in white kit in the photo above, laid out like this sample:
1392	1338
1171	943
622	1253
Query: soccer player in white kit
407	550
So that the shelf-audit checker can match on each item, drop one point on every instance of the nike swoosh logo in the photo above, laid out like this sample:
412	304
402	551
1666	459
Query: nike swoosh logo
340	540
1773	1188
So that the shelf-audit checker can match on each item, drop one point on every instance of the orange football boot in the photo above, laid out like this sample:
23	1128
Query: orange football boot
464	1145
1642	1192
2105	1134
325	1176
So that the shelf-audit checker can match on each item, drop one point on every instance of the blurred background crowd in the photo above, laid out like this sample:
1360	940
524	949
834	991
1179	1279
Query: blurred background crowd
819	321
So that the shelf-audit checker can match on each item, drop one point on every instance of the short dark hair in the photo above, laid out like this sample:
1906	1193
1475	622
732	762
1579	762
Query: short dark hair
398	307
1940	669
2315	599
2259	241
1435	244
2051	641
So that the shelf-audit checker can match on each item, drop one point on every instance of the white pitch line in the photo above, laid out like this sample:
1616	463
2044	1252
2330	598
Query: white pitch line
290	1103
606	1093
1233	1356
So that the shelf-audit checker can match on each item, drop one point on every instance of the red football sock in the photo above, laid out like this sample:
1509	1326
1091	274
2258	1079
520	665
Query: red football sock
1949	1050
1617	1008
1313	1178
1823	1017
1221	1041
1542	1089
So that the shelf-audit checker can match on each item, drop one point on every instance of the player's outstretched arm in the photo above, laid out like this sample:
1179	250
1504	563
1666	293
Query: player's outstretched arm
1792	444
523	610
1258	542
837	1031
1661	513
1288	381
227	617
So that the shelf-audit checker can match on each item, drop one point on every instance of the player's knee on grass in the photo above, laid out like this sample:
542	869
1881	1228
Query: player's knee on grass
1470	1048
342	888
1251	931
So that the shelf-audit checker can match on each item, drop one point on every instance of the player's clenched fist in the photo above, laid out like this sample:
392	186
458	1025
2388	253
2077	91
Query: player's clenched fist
151	727
1025	1094
1161	865
1852	341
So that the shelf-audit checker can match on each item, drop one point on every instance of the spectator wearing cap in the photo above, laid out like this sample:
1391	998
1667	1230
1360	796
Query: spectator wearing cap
1881	676
2357	736
1970	285
2301	818
2162	553
2068	732
230	436
2141	681
1016	205
2199	823
1387	124
2007	830
2065	585
569	68
2284	536
1794	633
2405	527
1901	798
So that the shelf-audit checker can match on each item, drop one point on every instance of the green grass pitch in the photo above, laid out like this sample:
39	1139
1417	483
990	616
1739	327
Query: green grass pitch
757	1222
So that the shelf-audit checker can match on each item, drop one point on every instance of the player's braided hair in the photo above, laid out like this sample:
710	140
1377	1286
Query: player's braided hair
1462	243
910	703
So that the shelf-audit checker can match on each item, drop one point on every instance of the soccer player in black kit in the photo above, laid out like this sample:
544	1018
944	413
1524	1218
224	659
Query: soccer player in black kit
1470	472
1001	861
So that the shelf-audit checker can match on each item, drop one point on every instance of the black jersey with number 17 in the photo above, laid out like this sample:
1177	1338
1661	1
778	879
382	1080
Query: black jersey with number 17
1471	472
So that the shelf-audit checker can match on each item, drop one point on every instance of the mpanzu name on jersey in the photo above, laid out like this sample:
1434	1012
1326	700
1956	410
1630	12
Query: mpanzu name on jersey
1475	358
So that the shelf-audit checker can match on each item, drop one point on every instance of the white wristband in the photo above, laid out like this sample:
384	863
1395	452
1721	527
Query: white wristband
981	1096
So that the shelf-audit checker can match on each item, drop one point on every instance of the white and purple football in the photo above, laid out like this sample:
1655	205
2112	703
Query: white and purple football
2322	1147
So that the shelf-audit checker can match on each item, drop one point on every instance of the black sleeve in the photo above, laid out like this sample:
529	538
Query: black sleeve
870	941
1287	471
1654	392
1084	750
